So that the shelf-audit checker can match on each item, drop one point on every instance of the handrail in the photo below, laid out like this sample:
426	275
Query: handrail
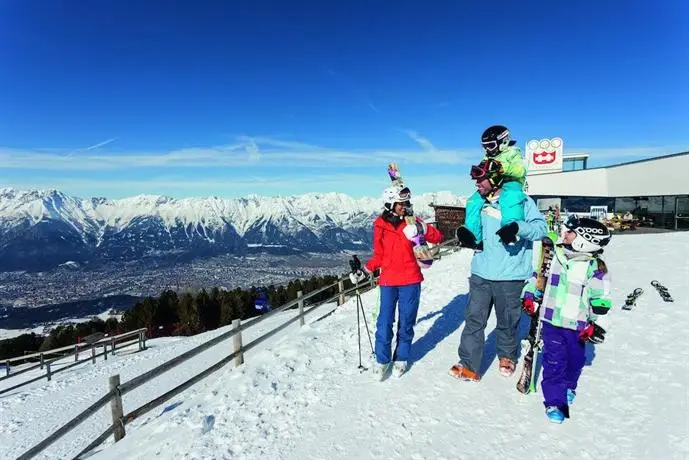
51	372
71	347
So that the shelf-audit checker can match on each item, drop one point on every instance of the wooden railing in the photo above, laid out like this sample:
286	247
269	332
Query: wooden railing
115	342
117	389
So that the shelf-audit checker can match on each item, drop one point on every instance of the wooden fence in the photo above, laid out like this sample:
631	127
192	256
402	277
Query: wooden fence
47	362
117	389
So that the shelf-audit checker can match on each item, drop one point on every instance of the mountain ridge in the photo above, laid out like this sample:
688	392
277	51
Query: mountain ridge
42	228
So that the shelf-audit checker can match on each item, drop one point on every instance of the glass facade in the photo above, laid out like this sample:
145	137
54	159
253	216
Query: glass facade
671	212
573	164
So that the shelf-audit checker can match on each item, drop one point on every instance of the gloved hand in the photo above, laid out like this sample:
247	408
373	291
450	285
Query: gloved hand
358	276
508	233
529	304
592	333
466	239
413	230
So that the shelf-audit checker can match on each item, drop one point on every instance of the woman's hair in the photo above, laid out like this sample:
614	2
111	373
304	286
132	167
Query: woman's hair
602	266
391	217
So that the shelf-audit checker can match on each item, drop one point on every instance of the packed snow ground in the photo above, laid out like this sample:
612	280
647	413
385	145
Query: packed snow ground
28	414
302	396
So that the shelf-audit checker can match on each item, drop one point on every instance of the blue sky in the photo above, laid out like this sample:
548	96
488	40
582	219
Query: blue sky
192	98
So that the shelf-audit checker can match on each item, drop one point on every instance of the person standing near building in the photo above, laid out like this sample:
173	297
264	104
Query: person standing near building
577	293
501	264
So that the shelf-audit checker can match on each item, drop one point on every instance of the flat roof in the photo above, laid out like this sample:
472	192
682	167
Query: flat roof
616	165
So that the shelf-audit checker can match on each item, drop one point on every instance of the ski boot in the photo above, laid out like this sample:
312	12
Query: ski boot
554	414
380	371
571	395
462	373
399	368
662	290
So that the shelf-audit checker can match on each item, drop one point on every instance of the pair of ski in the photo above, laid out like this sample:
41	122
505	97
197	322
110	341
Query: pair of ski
632	298
422	251
533	344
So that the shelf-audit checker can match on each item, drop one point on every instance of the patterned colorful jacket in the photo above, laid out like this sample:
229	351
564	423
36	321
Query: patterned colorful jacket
577	290
513	164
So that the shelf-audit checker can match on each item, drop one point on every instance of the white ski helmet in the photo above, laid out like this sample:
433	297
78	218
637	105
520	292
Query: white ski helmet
396	194
592	235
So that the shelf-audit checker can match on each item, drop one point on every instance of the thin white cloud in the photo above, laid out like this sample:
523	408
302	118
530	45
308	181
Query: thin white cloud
100	144
246	152
422	141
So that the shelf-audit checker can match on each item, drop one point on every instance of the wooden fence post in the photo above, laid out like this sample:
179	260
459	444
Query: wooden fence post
42	364
93	354
105	352
47	371
301	308
143	339
7	367
237	340
340	289
116	408
76	352
112	347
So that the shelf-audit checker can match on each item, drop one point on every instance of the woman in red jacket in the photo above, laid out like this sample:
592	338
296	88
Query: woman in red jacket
400	277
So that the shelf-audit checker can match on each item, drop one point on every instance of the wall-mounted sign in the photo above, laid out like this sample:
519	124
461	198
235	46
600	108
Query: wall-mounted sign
544	155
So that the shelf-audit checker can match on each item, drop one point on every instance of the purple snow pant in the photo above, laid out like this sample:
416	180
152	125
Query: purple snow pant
563	360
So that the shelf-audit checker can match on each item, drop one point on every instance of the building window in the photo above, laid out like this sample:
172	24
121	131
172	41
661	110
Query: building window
573	164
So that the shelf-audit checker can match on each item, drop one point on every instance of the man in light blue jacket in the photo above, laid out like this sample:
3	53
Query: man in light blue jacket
500	266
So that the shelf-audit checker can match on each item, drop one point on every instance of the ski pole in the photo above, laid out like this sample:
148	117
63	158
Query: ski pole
358	332
360	304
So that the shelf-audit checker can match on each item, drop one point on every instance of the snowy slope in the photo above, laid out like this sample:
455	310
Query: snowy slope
45	406
302	397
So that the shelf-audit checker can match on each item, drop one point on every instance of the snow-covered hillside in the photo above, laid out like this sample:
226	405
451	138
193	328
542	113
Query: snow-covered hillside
302	396
44	228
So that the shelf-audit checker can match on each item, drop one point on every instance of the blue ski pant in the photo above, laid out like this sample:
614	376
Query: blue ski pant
483	294
563	360
406	300
511	203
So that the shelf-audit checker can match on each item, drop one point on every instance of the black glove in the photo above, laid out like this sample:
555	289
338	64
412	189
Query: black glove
508	233
355	264
593	333
466	239
357	275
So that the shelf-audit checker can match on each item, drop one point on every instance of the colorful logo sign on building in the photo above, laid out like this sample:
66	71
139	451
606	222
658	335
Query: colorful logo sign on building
544	155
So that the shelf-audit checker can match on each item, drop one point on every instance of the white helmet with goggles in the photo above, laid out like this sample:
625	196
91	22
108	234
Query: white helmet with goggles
396	194
592	235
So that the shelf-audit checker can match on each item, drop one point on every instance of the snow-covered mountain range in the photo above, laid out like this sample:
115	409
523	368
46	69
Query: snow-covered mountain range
40	229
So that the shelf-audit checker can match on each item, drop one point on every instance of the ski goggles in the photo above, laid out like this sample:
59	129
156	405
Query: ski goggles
490	147
484	170
591	235
404	195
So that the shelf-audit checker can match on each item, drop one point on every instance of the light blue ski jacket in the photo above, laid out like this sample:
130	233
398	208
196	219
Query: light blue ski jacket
501	262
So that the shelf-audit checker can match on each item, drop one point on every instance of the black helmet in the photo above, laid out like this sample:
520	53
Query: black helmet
496	139
592	235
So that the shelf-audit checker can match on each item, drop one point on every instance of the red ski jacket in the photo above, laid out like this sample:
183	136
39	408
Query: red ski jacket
393	253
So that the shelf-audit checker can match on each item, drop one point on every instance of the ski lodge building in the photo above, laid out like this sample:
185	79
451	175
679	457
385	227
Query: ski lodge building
654	190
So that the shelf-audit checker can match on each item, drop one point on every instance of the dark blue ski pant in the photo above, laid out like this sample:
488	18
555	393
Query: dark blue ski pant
563	360
406	300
